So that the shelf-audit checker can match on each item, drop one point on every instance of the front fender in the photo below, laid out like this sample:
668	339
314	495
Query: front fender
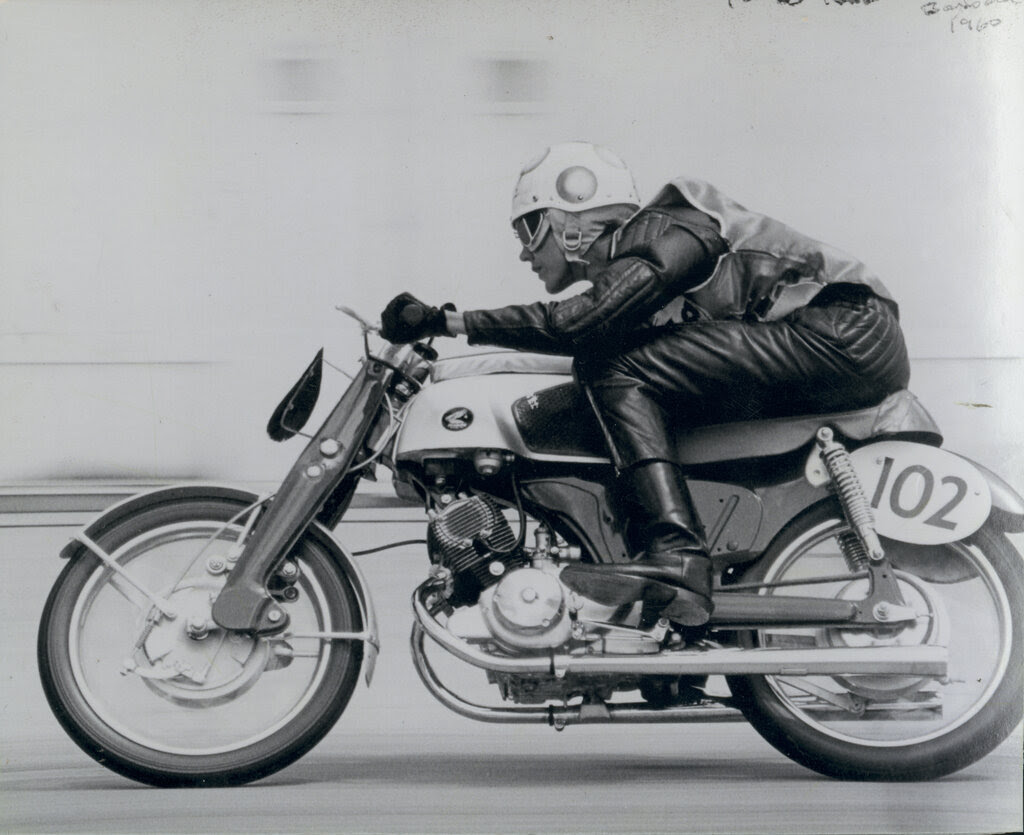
139	503
144	501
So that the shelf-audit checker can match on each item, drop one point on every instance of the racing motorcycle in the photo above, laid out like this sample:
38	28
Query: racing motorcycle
867	600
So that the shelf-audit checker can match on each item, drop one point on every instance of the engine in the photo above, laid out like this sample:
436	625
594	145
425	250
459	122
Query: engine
498	595
472	539
527	610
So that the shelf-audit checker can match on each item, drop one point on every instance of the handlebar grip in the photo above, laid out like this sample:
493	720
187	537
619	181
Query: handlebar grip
412	315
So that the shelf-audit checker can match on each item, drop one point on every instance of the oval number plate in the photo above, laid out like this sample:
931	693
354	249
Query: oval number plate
921	494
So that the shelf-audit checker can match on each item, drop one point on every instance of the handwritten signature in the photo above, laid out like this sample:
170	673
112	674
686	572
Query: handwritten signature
963	15
970	15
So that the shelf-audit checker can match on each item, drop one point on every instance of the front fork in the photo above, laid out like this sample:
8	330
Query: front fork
245	604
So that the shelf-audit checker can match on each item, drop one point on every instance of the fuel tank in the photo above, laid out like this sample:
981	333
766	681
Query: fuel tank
527	404
503	402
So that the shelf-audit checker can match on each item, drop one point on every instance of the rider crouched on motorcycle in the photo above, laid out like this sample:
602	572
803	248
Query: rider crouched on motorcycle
698	311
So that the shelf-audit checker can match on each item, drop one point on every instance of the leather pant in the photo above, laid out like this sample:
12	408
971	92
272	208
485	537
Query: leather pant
843	352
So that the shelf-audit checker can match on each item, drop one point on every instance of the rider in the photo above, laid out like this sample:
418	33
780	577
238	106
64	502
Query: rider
699	311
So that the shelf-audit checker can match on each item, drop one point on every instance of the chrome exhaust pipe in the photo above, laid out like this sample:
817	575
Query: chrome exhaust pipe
559	716
914	660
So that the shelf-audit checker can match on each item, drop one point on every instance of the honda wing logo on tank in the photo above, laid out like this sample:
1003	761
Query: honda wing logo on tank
457	419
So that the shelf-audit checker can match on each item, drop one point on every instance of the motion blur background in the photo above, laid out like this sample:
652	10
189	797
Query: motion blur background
188	188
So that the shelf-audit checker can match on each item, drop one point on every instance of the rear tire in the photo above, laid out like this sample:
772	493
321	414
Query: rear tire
198	710
935	729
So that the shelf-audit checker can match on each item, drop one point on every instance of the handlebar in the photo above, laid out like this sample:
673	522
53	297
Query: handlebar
400	357
366	326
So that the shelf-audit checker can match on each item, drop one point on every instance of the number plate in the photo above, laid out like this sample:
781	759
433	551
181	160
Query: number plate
921	494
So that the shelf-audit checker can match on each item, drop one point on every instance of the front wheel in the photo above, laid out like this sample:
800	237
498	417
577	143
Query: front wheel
968	597
176	700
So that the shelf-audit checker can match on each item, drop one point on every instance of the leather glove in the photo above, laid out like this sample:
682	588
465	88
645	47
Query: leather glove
407	319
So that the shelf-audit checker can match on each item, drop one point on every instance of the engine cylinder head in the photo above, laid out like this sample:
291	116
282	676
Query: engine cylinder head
474	540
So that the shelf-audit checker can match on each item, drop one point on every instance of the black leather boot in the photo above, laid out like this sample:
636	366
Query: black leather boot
673	573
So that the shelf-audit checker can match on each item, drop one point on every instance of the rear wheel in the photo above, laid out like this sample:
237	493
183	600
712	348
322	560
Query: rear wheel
968	596
180	701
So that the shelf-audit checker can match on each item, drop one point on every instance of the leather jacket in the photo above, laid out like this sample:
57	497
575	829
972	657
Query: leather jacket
691	254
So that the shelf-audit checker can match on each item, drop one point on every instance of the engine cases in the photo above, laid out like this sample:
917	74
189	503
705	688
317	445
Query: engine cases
527	610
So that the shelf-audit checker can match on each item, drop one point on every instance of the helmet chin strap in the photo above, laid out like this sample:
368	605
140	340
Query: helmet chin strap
571	243
576	242
571	237
575	233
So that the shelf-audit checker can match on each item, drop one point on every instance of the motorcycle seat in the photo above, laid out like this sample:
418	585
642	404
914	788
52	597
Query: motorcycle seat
558	421
901	413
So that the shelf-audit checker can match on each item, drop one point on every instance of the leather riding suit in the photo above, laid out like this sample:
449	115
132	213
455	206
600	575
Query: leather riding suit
707	313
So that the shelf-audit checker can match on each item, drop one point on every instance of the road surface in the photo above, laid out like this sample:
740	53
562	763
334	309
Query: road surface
399	762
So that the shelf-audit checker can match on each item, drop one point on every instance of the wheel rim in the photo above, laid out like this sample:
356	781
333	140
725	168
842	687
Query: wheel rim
191	695
971	617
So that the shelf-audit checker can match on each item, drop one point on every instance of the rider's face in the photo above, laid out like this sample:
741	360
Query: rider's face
548	261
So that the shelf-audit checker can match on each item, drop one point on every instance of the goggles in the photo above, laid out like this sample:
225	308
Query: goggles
531	229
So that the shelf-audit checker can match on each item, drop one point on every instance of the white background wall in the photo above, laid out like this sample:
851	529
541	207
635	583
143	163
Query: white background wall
187	188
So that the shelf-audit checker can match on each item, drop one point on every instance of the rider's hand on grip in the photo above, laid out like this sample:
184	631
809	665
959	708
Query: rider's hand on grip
407	319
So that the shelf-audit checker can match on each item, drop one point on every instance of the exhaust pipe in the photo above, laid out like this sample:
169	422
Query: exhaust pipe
915	660
559	716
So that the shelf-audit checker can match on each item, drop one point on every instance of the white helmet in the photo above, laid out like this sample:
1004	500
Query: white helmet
574	177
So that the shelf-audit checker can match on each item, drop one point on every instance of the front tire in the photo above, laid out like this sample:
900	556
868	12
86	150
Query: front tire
181	702
970	598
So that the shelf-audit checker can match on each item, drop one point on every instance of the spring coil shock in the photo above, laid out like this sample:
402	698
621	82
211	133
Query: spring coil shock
863	544
853	550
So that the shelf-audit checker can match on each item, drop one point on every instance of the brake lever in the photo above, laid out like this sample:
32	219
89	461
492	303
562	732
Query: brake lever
367	327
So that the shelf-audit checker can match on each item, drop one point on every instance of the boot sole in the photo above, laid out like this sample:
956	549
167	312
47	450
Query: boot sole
605	587
689	609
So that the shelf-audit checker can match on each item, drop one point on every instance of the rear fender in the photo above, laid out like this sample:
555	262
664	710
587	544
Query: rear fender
1000	506
1007	504
341	556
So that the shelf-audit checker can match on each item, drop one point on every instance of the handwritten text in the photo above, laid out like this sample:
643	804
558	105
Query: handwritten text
734	3
970	15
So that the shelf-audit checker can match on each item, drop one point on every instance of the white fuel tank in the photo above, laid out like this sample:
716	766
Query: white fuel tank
474	410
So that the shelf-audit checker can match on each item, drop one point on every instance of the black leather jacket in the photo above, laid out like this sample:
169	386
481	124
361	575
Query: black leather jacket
659	254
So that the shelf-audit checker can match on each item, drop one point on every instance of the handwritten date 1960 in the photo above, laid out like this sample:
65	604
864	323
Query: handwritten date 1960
969	15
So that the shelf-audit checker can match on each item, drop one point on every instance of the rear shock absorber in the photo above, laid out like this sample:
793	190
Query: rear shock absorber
863	544
854	552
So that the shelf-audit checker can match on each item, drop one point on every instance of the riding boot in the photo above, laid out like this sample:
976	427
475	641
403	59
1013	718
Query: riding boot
672	575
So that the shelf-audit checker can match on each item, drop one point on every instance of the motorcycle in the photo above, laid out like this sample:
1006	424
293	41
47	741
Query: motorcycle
867	600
